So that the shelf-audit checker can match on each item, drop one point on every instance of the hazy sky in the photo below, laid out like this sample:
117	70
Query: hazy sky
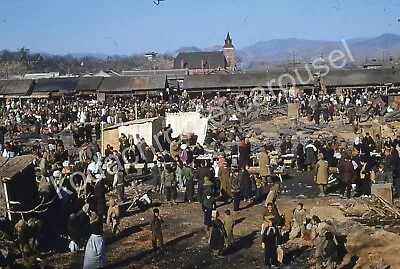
63	26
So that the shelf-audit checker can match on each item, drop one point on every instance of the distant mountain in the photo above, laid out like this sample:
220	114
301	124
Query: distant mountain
188	49
89	54
213	48
281	51
385	41
278	45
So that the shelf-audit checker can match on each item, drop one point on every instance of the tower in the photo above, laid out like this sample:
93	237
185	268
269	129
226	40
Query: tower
229	52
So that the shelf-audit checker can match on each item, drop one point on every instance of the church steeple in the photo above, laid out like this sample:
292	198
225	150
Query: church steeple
229	53
228	42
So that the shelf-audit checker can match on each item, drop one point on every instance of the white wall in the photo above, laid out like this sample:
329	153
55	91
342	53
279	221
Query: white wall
144	130
188	122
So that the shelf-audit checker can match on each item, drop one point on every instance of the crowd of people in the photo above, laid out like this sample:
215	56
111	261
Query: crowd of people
205	174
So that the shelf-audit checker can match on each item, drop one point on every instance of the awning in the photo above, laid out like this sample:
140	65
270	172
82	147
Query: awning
37	95
87	93
12	166
10	96
134	93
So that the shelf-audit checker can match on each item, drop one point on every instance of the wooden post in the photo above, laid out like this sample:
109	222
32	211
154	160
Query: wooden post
7	200
102	139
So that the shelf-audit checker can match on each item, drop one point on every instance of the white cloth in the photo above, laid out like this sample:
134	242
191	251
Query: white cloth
8	154
73	247
95	253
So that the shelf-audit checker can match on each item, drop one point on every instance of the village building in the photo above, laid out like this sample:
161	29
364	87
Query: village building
132	86
208	62
10	89
151	56
175	77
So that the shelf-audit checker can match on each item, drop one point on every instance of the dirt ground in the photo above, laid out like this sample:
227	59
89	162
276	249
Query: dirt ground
187	239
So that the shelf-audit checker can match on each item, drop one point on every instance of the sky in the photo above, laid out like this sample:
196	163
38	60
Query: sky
126	27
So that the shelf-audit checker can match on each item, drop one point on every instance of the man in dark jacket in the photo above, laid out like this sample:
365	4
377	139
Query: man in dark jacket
347	175
100	199
74	229
202	172
235	185
84	221
218	234
169	181
269	244
156	231
119	184
246	184
300	156
156	175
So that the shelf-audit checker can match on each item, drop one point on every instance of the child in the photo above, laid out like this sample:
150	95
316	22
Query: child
113	216
299	222
208	206
228	225
380	175
156	232
330	251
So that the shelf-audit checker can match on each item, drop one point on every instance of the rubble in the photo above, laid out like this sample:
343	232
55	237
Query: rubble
392	116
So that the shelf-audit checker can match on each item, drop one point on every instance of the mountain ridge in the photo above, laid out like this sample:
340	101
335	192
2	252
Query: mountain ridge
277	51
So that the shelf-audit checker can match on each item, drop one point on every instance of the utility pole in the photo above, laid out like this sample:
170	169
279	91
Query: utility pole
294	60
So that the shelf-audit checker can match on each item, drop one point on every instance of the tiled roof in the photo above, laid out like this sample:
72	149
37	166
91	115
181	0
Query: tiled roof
200	60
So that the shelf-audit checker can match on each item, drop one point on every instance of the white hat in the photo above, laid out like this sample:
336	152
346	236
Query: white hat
183	146
57	174
92	167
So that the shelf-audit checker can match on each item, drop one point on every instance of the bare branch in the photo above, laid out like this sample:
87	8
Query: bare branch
33	210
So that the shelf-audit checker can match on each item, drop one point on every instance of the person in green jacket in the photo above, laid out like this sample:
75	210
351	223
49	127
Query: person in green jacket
169	181
208	206
188	174
229	222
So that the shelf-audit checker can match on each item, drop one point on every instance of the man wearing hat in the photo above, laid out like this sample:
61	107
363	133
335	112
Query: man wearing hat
322	174
263	161
119	182
156	231
188	174
100	198
224	178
